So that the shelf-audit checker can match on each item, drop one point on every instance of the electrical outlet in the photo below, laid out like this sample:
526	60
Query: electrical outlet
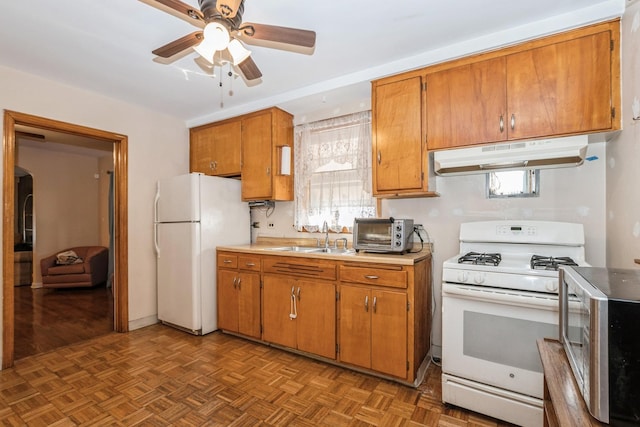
270	225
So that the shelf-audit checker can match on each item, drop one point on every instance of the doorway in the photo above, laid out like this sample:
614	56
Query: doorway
120	208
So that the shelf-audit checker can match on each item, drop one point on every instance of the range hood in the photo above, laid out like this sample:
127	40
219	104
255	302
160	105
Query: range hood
537	154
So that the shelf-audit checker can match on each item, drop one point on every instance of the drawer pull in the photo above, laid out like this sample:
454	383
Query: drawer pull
227	261
371	277
250	264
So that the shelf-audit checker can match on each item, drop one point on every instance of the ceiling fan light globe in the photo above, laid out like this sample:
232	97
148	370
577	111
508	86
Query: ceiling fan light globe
238	52
217	35
205	50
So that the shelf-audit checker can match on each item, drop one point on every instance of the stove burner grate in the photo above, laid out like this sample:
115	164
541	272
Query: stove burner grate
480	258
539	262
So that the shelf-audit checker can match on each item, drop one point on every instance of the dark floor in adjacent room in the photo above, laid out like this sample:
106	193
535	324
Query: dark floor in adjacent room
46	319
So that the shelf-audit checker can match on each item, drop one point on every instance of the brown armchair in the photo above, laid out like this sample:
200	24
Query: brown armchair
91	271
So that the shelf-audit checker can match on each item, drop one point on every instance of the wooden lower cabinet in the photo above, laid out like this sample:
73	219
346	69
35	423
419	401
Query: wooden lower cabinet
373	329
371	316
300	314
239	299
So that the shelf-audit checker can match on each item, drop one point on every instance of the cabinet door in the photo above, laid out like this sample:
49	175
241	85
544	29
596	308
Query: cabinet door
248	288
355	325
389	332
316	320
256	157
467	105
561	88
277	326
200	152
398	152
226	148
227	300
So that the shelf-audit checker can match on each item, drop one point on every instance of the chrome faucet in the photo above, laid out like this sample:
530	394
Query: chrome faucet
325	230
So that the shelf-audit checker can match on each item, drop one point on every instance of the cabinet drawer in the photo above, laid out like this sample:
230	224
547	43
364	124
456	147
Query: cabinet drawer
300	267
374	275
227	261
249	263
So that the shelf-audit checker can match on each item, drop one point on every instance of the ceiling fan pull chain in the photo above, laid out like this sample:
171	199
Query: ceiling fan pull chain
221	90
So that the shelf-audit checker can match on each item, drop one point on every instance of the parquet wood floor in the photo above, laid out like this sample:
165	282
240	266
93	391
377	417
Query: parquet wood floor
158	376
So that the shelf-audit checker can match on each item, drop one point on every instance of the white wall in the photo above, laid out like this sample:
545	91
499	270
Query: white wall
158	148
623	153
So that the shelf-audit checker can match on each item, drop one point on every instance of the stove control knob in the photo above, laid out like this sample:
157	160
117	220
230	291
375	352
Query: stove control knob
463	277
551	285
478	279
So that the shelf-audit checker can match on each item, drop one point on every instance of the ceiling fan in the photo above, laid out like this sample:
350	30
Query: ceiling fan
223	31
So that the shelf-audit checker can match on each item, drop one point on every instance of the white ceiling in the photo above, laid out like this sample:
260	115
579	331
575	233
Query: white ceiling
105	47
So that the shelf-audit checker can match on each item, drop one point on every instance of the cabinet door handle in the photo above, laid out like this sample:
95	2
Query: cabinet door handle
239	280
268	171
379	157
211	165
513	121
375	303
298	293
366	303
371	277
235	282
501	123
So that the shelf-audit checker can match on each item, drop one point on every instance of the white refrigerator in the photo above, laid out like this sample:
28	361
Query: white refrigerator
194	213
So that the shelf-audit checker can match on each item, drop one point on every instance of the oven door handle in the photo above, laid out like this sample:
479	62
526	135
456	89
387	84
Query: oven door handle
549	302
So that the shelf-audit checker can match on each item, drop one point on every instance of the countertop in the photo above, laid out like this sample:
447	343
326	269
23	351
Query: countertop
352	256
568	407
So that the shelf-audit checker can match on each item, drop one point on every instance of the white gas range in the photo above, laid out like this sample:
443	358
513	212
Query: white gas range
499	295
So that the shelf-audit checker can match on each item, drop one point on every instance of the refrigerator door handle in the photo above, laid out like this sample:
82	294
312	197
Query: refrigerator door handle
155	221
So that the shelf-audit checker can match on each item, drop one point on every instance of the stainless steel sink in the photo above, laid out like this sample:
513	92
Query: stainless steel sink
335	250
293	249
307	249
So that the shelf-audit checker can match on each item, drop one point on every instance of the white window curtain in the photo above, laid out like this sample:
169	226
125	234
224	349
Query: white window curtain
333	173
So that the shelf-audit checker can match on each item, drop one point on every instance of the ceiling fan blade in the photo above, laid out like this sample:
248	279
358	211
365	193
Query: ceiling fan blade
183	10
292	36
228	8
249	69
179	45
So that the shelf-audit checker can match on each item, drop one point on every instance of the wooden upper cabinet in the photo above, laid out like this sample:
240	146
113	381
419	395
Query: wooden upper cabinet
256	157
215	149
467	105
562	88
399	154
559	88
264	133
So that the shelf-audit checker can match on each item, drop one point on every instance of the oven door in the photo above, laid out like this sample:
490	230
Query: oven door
489	335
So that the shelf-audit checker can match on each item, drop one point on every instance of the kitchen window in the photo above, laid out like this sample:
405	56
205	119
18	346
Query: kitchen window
333	173
518	183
